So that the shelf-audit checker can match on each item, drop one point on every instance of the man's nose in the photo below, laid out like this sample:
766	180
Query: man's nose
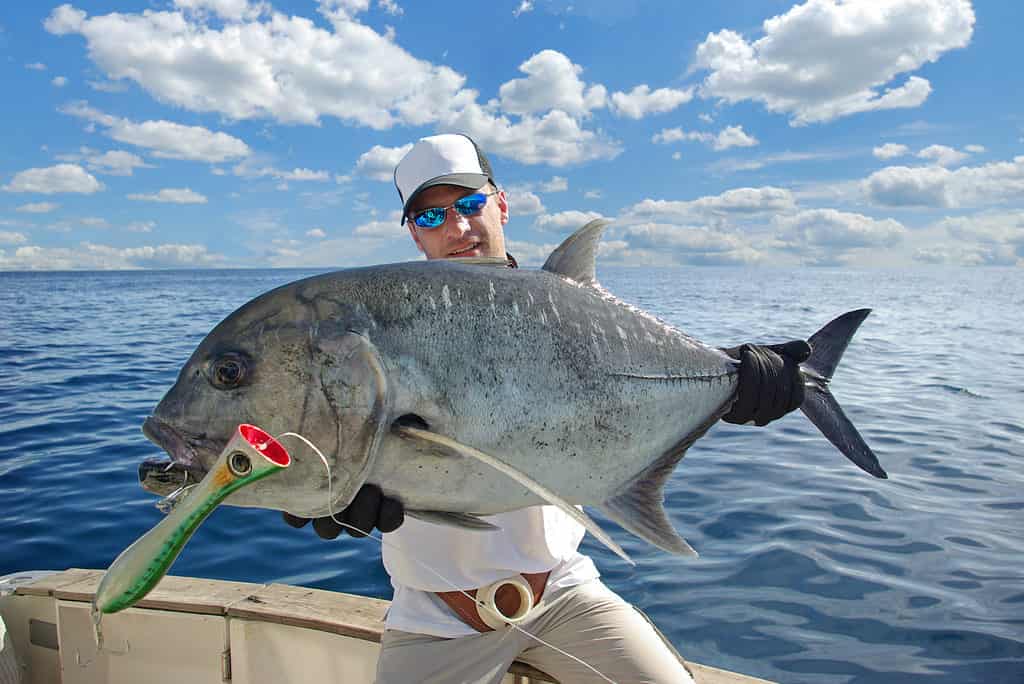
455	222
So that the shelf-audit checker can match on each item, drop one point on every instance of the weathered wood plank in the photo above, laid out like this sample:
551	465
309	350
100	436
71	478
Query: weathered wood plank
331	611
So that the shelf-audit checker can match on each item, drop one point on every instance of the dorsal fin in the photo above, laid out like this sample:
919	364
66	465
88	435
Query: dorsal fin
575	257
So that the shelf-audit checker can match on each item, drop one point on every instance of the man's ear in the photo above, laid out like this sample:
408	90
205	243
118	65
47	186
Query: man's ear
503	206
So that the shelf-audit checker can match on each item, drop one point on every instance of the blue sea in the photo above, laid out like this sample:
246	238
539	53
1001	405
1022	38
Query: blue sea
810	570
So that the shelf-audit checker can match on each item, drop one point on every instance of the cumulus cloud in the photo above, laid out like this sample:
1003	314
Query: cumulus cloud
942	155
731	136
316	233
37	208
826	59
969	255
59	81
837	229
36	66
735	202
524	7
938	187
561	221
91	256
524	202
641	101
379	162
890	151
55	179
112	162
275	66
990	228
171	196
11	238
165	138
552	82
388	229
288	69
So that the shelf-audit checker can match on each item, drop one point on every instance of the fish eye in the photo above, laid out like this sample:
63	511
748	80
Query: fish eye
228	371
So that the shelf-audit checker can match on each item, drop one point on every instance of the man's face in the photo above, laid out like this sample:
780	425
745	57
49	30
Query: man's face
461	236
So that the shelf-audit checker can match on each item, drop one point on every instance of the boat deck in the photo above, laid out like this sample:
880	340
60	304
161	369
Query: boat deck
215	631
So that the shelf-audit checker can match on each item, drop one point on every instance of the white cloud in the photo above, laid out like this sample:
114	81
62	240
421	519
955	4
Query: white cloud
378	163
94	222
232	10
572	219
942	155
59	81
735	202
524	202
391	7
112	162
969	255
316	233
555	138
103	257
524	7
890	151
108	86
303	174
165	138
54	179
36	66
552	82
988	228
37	208
974	149
641	101
836	229
285	68
938	187
141	226
172	196
556	184
388	229
680	238
826	59
10	238
592	194
731	136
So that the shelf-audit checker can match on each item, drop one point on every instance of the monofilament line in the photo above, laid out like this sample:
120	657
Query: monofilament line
438	575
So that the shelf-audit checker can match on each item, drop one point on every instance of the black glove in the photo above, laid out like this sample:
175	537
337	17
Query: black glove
369	509
770	381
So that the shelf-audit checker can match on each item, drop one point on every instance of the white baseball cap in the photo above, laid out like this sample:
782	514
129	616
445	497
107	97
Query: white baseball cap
448	159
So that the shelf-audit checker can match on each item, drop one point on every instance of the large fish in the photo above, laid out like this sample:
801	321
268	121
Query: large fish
465	390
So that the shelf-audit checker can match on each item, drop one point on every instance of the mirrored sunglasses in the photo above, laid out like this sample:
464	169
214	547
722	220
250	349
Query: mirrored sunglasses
470	205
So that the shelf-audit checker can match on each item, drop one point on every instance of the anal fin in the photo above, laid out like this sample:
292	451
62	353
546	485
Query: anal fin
440	441
639	508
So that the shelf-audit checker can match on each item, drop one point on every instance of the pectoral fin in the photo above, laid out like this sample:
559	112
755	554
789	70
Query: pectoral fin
448	444
463	520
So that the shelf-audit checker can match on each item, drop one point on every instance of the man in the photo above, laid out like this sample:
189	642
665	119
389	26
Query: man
454	209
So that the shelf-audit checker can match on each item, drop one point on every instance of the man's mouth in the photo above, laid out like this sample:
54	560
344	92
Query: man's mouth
465	251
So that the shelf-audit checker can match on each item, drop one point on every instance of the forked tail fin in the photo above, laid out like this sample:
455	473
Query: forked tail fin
828	345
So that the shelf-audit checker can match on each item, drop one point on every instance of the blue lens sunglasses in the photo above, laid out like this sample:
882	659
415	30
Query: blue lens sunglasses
470	205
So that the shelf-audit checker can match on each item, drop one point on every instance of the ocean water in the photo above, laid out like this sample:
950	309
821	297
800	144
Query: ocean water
810	570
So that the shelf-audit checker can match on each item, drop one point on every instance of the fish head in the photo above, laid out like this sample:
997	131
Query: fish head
287	362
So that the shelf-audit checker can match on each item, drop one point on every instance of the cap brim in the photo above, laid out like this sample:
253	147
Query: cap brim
470	181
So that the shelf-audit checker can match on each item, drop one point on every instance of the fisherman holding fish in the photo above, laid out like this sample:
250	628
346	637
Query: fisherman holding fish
530	568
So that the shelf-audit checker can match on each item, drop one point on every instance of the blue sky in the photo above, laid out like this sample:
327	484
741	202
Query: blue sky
223	133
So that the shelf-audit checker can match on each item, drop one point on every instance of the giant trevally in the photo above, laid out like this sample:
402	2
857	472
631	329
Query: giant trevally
465	390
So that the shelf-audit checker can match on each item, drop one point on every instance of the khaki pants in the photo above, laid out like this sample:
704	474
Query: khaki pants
588	621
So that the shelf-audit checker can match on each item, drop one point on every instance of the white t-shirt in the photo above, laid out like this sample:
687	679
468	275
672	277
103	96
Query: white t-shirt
533	539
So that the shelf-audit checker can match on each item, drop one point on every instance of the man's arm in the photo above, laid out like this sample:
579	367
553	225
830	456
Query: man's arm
770	383
368	510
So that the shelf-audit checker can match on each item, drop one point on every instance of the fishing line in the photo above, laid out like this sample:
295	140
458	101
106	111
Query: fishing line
382	542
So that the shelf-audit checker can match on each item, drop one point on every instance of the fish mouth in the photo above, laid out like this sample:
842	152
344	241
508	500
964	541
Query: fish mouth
163	475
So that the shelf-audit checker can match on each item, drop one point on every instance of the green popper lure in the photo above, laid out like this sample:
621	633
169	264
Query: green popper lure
250	455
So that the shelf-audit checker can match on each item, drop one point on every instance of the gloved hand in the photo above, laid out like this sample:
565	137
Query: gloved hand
369	509
770	382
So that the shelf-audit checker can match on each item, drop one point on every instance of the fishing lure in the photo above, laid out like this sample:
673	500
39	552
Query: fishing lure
250	455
